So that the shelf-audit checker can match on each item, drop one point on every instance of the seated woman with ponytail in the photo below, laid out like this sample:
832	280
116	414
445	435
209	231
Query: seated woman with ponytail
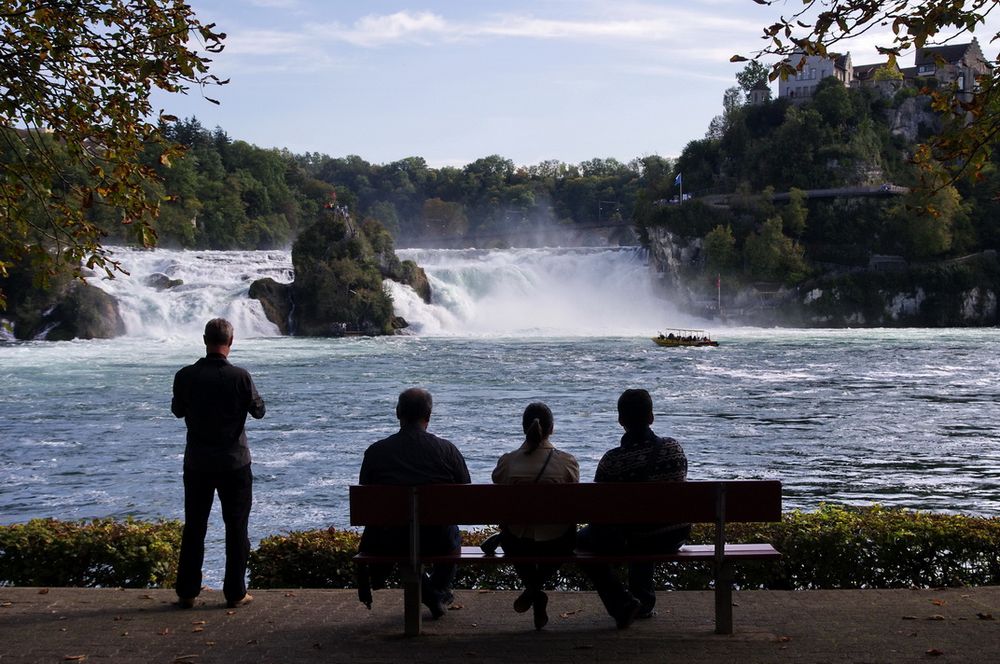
537	460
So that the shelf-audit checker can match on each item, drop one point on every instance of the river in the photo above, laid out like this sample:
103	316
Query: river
901	417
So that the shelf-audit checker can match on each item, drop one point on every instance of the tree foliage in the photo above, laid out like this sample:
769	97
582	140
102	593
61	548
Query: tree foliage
973	122
75	117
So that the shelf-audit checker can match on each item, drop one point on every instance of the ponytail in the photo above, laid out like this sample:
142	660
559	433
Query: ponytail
534	436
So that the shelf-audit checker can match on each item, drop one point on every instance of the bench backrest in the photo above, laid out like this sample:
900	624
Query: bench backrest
606	502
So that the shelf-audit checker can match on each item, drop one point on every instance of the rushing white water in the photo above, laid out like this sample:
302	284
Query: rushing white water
510	292
536	292
215	283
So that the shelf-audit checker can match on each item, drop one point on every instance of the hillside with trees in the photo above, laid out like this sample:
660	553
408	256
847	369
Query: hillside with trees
849	140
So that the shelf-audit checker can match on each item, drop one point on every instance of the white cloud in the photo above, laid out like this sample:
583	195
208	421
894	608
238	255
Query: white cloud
392	28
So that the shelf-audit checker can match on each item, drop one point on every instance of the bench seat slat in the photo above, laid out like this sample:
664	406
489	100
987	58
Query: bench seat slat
688	553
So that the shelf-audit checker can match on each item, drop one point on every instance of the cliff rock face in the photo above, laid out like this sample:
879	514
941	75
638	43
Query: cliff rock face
913	118
957	293
669	253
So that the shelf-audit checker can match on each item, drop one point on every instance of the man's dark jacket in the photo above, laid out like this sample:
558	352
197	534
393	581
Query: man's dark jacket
214	398
408	458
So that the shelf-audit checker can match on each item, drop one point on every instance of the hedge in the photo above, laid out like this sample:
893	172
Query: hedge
97	553
833	547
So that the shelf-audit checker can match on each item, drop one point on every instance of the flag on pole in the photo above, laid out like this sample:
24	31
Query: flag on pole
677	180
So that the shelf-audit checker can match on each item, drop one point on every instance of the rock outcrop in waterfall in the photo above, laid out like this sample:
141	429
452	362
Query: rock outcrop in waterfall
339	269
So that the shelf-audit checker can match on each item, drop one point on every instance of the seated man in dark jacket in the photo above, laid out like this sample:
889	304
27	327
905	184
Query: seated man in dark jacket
412	457
642	457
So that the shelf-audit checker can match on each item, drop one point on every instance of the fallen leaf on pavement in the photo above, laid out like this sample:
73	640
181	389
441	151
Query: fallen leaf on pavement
936	616
43	591
909	617
567	614
455	606
74	658
289	594
164	631
180	659
985	616
934	652
6	604
784	639
198	622
198	629
938	602
230	613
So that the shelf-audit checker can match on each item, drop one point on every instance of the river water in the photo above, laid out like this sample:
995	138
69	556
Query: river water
898	417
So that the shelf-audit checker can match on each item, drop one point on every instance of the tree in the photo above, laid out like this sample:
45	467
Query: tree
720	249
794	214
973	124
750	76
75	117
771	255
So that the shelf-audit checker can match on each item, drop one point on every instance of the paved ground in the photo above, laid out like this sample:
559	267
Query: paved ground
107	625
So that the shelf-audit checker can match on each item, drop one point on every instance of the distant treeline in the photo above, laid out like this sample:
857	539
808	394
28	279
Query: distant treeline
228	194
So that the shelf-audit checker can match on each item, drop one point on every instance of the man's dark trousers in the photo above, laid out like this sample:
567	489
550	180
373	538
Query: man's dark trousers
616	539
235	488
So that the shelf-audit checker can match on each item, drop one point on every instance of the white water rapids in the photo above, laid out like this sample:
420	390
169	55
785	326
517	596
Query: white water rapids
512	292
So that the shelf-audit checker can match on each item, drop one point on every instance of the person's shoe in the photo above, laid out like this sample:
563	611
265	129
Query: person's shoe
541	617
435	603
185	602
234	603
524	600
626	615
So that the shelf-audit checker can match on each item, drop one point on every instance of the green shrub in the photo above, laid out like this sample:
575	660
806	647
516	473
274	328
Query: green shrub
305	559
834	547
98	553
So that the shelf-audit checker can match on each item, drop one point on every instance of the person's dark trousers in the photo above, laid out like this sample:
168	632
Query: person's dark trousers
614	539
434	540
235	489
537	575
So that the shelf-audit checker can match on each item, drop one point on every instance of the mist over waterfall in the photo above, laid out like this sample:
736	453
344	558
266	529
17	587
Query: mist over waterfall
214	283
536	292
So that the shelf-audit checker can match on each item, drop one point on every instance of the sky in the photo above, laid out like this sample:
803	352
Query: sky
455	80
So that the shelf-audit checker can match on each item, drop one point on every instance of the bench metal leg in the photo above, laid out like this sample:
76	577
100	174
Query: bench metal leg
724	599
411	601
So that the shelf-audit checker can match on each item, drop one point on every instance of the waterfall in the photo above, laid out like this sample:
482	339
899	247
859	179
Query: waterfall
536	292
553	292
213	284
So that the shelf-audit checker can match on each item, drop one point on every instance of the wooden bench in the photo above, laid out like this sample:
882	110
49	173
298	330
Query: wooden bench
605	503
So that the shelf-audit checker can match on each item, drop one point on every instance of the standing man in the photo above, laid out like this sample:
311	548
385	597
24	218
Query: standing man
412	457
642	457
214	398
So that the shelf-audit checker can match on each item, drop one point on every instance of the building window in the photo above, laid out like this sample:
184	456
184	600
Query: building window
812	73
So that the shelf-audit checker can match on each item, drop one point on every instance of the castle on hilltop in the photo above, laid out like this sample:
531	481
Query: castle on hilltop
952	64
